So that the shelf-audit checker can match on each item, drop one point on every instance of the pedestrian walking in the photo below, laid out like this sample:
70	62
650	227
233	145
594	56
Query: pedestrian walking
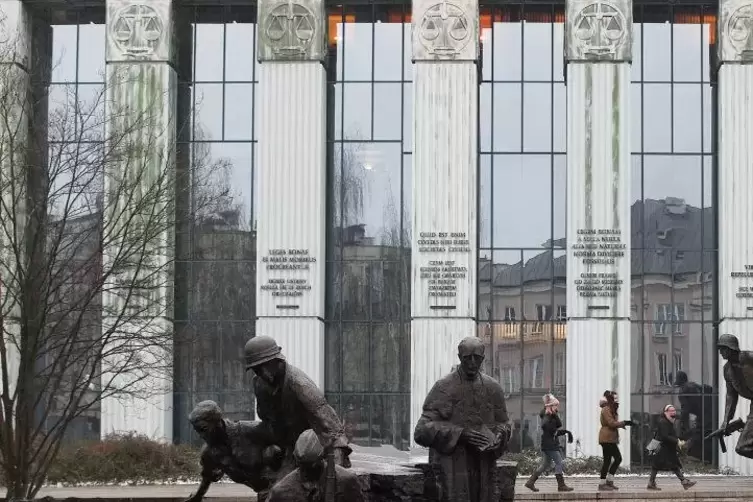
665	450
609	438
551	453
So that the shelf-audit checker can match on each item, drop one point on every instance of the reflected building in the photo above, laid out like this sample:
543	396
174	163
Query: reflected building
376	184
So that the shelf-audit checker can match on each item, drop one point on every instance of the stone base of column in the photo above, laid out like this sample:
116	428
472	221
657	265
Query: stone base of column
152	417
743	330
434	352
598	358
301	340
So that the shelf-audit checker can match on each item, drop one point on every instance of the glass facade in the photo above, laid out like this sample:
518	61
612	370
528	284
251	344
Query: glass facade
216	241
367	336
522	311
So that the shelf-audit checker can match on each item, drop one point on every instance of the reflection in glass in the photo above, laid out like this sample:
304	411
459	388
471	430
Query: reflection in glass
75	155
215	291
367	334
522	181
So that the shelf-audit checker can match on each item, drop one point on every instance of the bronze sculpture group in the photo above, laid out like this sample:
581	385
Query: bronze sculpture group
297	450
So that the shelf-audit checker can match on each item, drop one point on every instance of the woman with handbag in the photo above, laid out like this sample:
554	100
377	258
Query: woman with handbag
609	439
551	453
665	448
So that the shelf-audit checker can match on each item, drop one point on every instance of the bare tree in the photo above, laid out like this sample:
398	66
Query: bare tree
87	217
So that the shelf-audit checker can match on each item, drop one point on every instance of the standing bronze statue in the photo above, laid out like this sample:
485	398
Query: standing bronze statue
738	374
242	451
289	403
465	426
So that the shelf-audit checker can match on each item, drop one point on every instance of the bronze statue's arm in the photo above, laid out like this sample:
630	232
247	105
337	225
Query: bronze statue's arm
199	495
210	473
731	405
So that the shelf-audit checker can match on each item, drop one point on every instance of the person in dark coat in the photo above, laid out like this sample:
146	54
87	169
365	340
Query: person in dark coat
695	399
667	458
551	453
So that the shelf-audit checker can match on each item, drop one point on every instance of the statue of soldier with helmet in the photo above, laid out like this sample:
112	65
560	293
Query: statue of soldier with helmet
738	375
289	403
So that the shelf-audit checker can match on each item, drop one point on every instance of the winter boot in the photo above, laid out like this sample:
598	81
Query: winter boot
604	486
687	484
610	482
561	486
531	483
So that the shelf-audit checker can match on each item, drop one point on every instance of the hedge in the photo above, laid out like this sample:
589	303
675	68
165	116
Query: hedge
123	459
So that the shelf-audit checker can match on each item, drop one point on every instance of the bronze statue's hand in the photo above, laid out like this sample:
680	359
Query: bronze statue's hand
475	439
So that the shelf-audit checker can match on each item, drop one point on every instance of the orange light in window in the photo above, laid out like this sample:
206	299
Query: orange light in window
333	21
398	16
695	18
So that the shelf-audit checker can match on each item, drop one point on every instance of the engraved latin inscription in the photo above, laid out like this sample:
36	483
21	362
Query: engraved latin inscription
285	267
746	273
441	274
599	251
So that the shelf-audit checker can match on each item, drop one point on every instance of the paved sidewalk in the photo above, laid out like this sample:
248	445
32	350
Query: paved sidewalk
634	488
631	488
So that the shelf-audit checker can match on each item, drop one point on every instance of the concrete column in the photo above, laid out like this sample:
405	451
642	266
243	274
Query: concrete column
598	57
291	180
735	183
15	41
139	184
445	173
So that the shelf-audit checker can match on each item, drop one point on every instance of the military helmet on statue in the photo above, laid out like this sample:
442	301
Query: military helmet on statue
729	341
261	349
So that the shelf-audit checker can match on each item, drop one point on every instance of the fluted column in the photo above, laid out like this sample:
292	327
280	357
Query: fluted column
445	173
15	40
139	209
598	56
735	185
291	180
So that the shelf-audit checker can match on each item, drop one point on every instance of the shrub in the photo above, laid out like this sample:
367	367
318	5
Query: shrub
124	458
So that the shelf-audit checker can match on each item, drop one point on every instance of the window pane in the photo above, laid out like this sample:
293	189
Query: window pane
687	52
64	53
388	48
91	63
522	181
208	43
537	51
537	117
507	43
657	119
686	124
657	56
388	101
507	118
239	44
239	112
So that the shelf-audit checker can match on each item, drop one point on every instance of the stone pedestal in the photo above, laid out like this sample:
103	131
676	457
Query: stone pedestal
598	56
139	207
416	483
291	181
735	184
445	173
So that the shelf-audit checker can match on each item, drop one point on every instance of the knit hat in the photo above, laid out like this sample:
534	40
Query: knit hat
550	400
